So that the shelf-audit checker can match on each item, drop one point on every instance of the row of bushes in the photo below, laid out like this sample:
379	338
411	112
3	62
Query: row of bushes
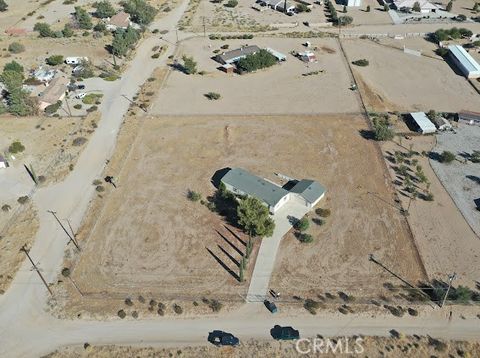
230	37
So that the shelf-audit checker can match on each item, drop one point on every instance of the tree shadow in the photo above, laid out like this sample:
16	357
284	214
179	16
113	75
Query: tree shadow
435	156
224	266
367	134
235	235
233	259
230	243
292	220
473	178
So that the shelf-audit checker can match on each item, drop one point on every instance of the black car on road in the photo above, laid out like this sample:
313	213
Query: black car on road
220	338
284	333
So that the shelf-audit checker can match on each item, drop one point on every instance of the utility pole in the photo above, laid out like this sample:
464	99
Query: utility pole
450	280
204	29
68	107
176	33
66	232
26	251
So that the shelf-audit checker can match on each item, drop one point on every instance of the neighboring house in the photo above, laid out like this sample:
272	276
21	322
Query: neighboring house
442	124
307	56
241	182
3	162
118	21
464	61
54	92
425	6
44	75
423	123
285	8
467	117
235	55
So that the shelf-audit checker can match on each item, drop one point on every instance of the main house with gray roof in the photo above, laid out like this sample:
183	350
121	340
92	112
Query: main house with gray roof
241	182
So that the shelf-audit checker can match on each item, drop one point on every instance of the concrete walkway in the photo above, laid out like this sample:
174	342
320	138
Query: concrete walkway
294	209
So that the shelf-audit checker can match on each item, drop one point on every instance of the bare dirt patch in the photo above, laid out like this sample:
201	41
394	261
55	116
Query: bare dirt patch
281	89
410	82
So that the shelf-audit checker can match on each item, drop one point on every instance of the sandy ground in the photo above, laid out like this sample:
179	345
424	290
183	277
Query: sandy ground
394	347
445	241
462	177
146	233
409	83
280	89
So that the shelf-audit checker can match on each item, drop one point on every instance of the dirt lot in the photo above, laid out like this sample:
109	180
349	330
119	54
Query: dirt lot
398	81
281	89
149	239
373	347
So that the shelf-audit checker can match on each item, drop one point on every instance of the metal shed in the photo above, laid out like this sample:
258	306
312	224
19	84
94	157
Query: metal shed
464	61
425	126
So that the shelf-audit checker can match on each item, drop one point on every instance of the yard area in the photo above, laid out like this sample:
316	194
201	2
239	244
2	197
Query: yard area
398	81
146	237
281	89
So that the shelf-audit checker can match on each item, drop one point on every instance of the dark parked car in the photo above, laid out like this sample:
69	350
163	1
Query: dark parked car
270	306
284	333
81	86
220	338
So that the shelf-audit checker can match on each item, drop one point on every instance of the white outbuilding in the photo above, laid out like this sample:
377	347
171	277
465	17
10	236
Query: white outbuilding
423	123
464	61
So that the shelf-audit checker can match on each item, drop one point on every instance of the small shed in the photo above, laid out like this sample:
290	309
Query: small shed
279	56
467	117
464	61
307	56
423	124
442	124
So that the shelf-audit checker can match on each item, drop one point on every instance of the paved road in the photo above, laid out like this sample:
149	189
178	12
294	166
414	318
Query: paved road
257	291
27	331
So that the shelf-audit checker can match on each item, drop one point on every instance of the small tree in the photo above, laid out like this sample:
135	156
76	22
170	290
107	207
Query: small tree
231	3
368	8
254	217
386	7
104	9
141	12
305	238
83	18
447	157
416	7
345	9
382	130
449	6
189	65
3	6
476	7
54	60
16	147
193	195
67	31
43	29
16	47
345	20
13	66
213	96
362	62
303	224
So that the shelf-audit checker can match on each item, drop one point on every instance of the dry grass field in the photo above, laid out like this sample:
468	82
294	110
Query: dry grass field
281	89
149	239
398	81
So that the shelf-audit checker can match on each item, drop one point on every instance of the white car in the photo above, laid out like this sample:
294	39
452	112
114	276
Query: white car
80	95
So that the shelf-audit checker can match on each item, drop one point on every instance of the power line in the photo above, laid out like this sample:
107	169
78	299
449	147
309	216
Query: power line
26	251
65	230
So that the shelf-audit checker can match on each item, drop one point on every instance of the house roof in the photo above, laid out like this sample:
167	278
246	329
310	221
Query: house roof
468	115
122	19
423	122
44	74
55	90
464	58
310	190
239	52
254	186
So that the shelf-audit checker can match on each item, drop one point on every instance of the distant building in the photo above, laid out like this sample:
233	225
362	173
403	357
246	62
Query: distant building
54	92
467	117
464	61
44	75
75	60
422	123
118	21
235	55
227	68
425	6
241	182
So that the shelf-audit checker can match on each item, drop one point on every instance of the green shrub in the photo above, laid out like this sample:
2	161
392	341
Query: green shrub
77	106
213	96
189	65
54	60
305	238
303	224
92	98
16	147
53	107
121	314
324	213
178	309
231	3
23	199
362	63
16	47
447	157
194	196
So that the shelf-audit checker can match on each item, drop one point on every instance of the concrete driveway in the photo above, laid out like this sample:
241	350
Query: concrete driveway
284	219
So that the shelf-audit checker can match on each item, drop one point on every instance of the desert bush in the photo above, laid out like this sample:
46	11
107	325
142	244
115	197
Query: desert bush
213	96
362	62
135	314
121	314
16	47
16	147
51	109
177	309
6	208
128	301
23	199
324	213
412	312
54	60
65	272
305	238
160	312
215	305
193	196
79	141
231	3
311	305
303	224
77	106
189	65
100	188
447	157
